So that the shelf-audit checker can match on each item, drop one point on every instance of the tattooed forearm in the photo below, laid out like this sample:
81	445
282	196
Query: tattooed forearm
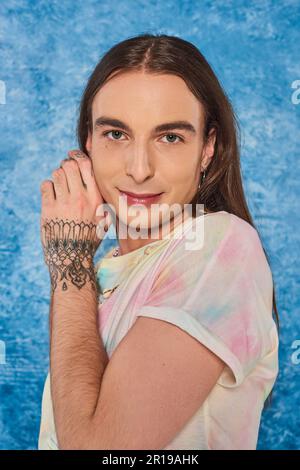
69	248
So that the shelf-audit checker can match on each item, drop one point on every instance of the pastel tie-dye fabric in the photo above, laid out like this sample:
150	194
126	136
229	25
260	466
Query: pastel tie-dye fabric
219	290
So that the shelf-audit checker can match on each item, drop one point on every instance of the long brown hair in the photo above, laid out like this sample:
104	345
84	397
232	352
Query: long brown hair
222	188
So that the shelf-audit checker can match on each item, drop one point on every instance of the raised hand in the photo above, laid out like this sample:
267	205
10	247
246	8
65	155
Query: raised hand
69	232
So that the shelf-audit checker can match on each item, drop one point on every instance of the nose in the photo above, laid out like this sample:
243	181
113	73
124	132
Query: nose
139	164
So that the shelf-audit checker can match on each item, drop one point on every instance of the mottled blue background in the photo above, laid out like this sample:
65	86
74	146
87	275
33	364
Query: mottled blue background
48	49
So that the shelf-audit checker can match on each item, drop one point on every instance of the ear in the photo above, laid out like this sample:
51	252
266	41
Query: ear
209	148
88	143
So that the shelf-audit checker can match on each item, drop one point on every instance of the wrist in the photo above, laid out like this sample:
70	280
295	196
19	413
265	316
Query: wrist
69	249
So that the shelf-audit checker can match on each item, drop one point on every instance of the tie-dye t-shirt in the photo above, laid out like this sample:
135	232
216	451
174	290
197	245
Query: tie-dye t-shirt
219	290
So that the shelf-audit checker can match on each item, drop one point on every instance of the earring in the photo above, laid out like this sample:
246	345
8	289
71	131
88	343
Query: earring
203	178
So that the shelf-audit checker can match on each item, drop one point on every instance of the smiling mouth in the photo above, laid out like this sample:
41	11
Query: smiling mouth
140	198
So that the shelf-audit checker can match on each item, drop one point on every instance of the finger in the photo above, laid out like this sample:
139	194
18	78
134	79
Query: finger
77	153
64	179
86	168
47	192
81	175
87	174
73	176
60	184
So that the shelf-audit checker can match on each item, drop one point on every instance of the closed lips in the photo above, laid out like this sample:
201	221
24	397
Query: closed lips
140	195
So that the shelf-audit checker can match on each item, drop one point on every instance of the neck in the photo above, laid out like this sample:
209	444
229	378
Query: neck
126	245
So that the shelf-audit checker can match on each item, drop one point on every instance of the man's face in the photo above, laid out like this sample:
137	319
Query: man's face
140	160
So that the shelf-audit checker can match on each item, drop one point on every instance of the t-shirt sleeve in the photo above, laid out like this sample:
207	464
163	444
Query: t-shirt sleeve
221	294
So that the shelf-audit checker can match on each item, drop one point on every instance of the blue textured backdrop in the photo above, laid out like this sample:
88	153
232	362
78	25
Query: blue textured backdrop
48	49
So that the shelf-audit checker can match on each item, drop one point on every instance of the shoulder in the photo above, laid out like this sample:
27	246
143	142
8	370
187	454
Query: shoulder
219	232
241	248
244	236
225	240
227	224
232	230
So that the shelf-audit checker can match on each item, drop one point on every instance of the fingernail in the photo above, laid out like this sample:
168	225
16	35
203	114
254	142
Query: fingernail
66	160
77	154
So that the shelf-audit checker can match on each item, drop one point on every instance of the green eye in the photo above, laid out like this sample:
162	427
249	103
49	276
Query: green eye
173	135
166	135
108	132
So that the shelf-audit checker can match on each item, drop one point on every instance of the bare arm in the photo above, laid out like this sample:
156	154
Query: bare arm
77	361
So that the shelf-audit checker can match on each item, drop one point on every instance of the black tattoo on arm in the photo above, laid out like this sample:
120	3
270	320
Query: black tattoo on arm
69	248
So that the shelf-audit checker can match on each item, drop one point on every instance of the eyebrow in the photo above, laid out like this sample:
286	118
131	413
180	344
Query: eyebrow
168	126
